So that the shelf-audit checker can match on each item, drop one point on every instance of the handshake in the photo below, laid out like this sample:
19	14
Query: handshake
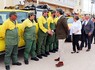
50	32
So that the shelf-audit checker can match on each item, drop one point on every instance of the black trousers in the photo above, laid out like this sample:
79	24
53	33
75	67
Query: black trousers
88	40
93	37
75	42
83	40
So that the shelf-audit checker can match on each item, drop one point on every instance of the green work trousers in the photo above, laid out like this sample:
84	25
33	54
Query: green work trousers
49	42
41	45
30	48
55	44
11	51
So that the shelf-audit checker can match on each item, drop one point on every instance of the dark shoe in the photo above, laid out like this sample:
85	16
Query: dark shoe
59	64
57	59
47	53
7	67
44	55
35	59
73	52
56	50
26	61
39	56
87	50
18	63
85	46
52	51
77	52
80	49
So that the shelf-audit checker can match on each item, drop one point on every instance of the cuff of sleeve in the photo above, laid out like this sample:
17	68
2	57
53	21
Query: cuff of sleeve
52	30
45	31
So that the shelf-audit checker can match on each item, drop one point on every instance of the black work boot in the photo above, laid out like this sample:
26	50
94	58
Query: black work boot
26	62
35	59
17	63
7	67
47	53
39	56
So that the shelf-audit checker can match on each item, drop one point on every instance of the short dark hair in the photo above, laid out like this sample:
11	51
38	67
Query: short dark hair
93	17
60	11
31	14
53	11
12	13
44	11
76	17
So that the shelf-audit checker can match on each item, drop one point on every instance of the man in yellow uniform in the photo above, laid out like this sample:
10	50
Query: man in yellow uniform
42	34
10	34
50	39
29	26
55	44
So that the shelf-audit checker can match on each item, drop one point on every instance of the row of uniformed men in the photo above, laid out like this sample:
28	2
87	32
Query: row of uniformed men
44	36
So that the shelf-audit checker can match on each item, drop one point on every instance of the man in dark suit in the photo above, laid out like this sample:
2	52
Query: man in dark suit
88	28
61	33
93	35
83	38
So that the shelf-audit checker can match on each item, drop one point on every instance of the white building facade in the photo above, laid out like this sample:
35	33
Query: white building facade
4	3
67	5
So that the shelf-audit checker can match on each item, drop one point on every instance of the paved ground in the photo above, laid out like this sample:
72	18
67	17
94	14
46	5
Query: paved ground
78	61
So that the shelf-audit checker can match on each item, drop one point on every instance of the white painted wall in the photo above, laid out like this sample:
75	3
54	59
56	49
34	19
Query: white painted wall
4	3
78	6
67	3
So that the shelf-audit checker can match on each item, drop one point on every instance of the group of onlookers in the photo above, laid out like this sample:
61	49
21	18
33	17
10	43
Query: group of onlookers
83	31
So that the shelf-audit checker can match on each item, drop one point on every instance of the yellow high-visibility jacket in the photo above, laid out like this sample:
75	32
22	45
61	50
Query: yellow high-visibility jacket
51	23
43	25
28	23
10	32
55	20
29	29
